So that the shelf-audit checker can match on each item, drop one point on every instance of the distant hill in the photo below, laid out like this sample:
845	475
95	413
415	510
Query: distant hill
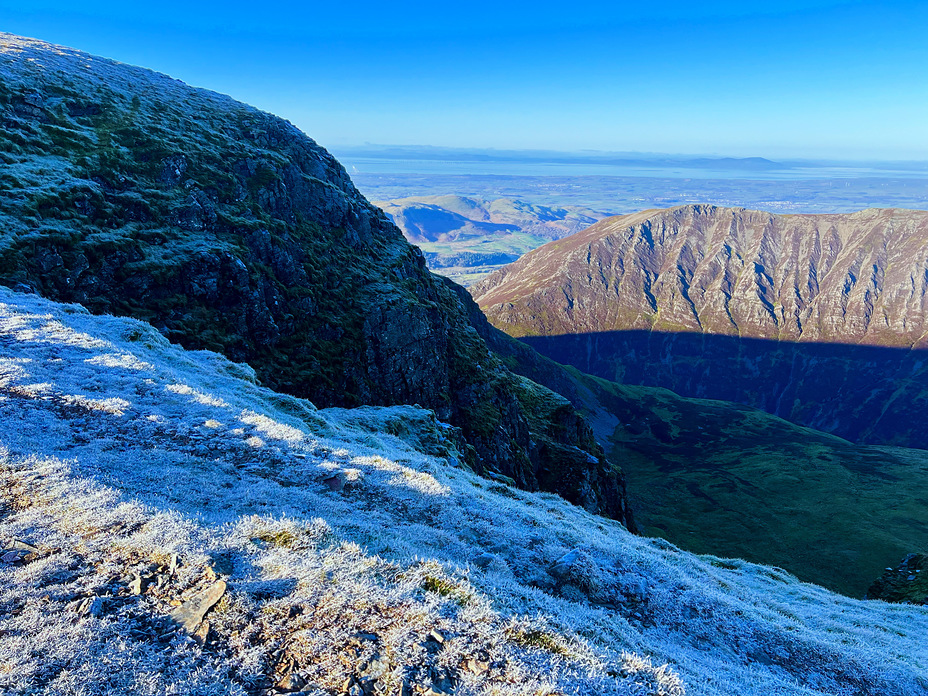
467	238
820	319
590	157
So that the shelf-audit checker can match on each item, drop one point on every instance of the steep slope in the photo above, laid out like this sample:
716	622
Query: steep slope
228	229
721	478
857	278
819	319
466	238
333	550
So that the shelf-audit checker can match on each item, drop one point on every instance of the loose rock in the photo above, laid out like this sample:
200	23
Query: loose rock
189	614
292	682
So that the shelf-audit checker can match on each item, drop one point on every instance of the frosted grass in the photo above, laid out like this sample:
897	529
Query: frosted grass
121	449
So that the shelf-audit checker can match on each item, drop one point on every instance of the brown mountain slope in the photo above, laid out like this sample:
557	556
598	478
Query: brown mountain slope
855	278
811	317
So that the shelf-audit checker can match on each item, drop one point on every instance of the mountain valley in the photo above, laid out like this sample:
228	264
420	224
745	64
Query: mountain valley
819	319
465	239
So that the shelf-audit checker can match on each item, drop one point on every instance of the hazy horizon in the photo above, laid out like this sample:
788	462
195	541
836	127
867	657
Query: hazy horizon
386	149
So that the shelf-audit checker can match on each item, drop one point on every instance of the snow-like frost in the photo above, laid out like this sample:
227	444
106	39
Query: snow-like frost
120	451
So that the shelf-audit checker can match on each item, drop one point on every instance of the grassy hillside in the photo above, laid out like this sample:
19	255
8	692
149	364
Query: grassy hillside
721	478
716	477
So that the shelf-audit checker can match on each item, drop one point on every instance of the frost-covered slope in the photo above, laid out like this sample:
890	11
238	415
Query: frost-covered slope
357	556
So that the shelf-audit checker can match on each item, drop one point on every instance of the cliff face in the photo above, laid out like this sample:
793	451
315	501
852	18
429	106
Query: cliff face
820	319
228	229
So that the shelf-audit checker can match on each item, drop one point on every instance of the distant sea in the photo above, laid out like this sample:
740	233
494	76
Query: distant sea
616	183
537	168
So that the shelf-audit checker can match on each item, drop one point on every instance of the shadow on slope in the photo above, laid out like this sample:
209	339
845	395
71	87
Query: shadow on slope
722	478
547	597
866	394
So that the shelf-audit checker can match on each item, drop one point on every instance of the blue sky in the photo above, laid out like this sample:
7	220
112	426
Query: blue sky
801	78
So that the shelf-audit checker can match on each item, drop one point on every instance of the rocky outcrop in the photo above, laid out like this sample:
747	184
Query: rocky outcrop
908	583
228	229
820	319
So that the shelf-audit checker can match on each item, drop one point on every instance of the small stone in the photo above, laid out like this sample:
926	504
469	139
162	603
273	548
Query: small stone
336	482
477	666
20	545
189	614
93	606
138	585
292	682
562	566
10	557
175	562
355	690
375	668
437	636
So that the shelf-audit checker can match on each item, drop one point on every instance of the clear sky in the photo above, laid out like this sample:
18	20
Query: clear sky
799	78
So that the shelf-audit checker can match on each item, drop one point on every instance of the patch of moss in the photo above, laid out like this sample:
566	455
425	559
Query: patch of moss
281	538
536	638
447	589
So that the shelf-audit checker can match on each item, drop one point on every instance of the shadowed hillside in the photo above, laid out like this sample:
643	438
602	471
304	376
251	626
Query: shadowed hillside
718	477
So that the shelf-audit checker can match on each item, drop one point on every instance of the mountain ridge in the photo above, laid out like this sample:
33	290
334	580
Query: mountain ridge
819	319
229	229
693	265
